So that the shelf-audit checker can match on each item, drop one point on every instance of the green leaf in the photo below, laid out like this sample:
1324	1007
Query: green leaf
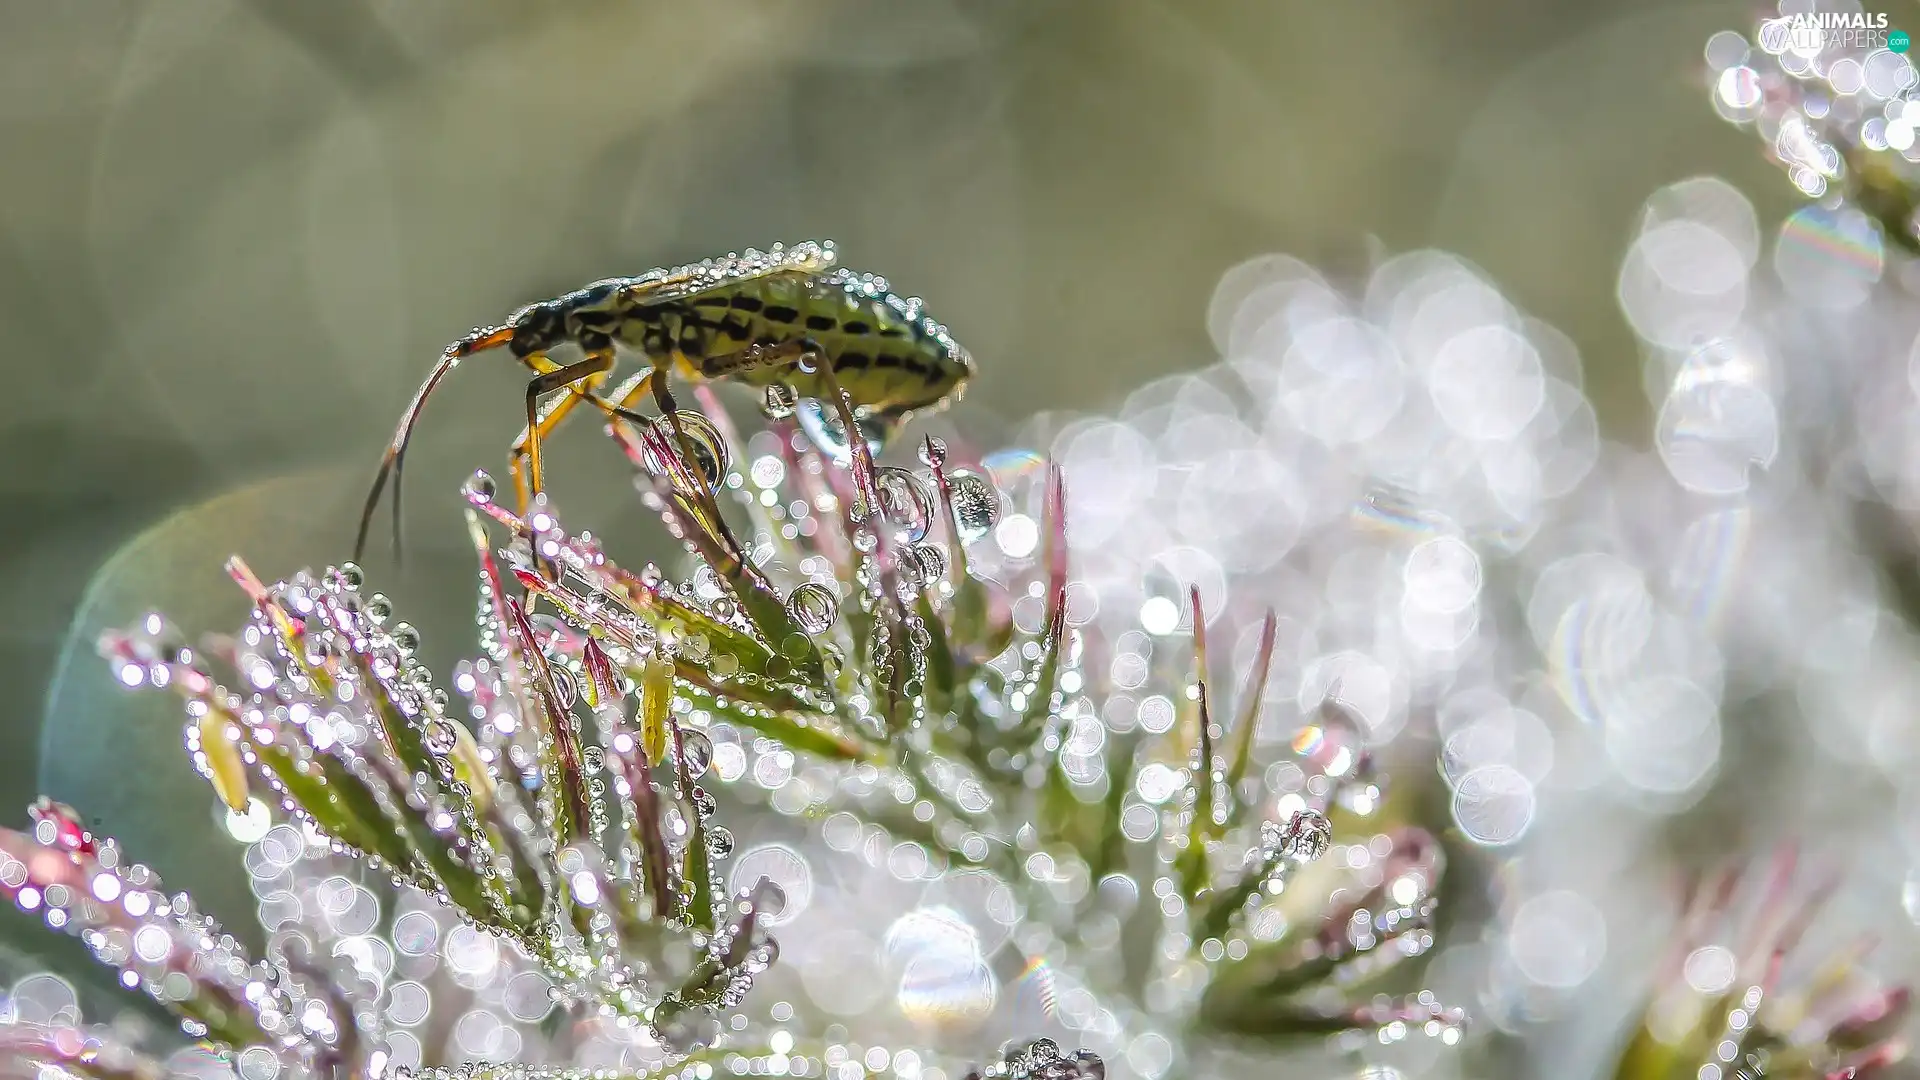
1239	752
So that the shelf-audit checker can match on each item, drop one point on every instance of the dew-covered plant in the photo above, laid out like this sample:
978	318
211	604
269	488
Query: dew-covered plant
540	880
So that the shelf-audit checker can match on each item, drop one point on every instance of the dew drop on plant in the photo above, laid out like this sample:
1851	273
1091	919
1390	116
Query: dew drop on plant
812	607
928	563
479	487
379	608
779	401
564	687
976	506
696	752
710	459
440	737
1303	838
720	842
933	451
905	503
405	637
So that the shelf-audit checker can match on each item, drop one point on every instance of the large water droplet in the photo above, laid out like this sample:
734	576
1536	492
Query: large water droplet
405	637
1303	838
822	426
812	607
696	750
905	503
933	451
710	456
779	401
720	842
479	487
564	687
440	737
976	505
928	563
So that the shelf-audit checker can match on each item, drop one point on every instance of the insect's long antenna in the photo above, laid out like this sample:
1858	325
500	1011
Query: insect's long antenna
394	460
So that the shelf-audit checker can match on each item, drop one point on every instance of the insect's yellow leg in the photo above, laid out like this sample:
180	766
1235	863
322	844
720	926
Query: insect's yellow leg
628	394
526	449
521	454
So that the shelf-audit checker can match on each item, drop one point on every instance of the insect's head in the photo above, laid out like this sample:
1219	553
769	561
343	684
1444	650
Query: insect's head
538	327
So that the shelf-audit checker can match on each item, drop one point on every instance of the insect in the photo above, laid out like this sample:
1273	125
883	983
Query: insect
786	316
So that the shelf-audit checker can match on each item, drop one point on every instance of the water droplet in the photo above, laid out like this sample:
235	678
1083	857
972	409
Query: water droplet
823	428
1303	838
704	802
351	576
976	505
440	737
688	1030
928	563
720	842
406	637
564	687
593	758
779	401
905	503
812	607
379	609
933	451
479	487
696	750
710	457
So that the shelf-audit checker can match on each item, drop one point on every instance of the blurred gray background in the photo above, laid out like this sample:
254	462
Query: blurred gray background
235	233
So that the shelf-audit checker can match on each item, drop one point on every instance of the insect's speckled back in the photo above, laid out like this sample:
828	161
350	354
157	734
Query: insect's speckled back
885	352
888	357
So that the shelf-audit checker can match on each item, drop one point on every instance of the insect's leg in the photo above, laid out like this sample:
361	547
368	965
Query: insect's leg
526	449
395	457
520	453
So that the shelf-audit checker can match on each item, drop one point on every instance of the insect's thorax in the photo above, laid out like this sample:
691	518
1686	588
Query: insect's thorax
884	353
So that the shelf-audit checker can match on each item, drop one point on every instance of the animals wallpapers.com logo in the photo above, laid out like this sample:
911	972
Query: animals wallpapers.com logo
1810	33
